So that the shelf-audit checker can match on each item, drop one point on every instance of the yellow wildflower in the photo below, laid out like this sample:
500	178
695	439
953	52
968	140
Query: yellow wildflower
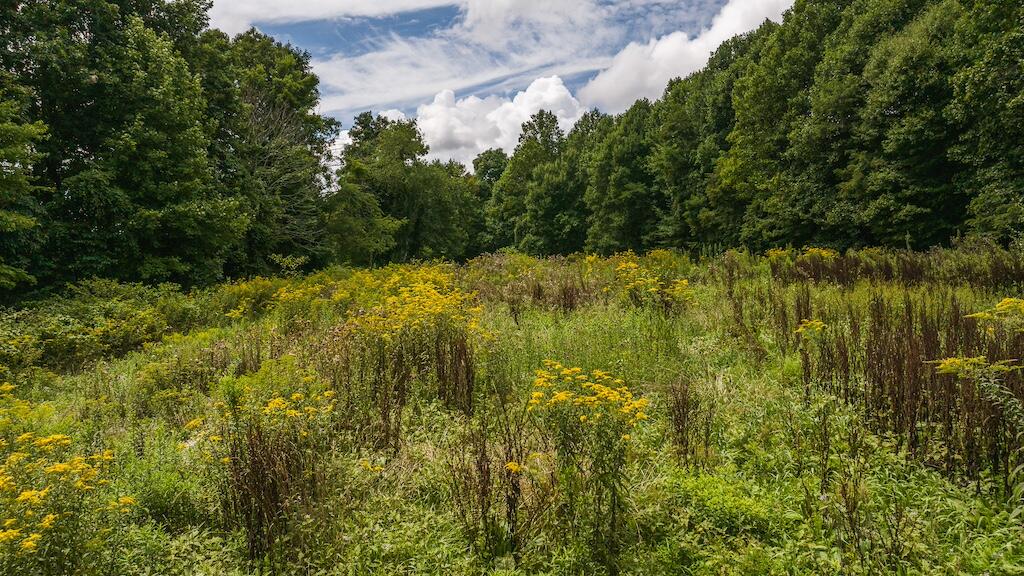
47	522
32	497
30	543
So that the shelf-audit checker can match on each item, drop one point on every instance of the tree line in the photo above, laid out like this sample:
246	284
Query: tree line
137	143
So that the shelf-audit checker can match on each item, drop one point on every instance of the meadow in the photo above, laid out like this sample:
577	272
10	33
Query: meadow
794	412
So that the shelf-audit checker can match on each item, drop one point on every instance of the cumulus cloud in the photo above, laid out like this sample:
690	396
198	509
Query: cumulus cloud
495	46
457	77
643	70
462	128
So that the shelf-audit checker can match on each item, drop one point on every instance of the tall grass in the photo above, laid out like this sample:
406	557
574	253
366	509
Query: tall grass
797	412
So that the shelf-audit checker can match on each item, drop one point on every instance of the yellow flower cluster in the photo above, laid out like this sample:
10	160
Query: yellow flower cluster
641	285
298	405
592	396
810	327
302	293
1009	311
418	306
366	465
124	504
38	479
821	253
961	366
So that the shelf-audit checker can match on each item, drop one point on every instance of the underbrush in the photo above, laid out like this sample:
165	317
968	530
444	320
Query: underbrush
801	412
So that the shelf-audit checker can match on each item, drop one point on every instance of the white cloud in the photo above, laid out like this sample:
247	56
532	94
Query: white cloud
461	129
234	16
494	47
500	44
393	115
643	70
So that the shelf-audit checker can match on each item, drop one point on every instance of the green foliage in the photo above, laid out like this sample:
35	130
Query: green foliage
622	202
17	154
987	104
392	203
539	143
387	420
865	123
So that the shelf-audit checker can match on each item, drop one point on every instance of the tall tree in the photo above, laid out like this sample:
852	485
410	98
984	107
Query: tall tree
433	206
769	100
623	203
695	121
555	221
18	140
988	105
539	143
826	140
138	201
900	175
489	165
281	152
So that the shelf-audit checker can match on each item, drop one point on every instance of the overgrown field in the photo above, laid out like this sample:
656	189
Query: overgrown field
799	412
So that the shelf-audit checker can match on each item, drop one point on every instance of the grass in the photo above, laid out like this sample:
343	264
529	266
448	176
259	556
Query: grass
775	414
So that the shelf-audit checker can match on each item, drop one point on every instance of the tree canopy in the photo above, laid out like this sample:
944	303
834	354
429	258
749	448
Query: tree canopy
138	144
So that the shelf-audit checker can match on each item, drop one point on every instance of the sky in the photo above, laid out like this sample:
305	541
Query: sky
472	71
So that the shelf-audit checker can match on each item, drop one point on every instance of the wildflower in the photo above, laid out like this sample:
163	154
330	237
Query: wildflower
369	467
193	424
58	468
32	497
811	326
823	253
50	442
275	404
8	535
560	396
30	543
47	522
513	467
960	366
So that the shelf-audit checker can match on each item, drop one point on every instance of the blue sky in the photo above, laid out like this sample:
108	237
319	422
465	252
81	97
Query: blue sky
471	71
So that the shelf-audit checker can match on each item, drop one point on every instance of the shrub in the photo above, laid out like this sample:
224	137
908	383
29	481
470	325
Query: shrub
589	419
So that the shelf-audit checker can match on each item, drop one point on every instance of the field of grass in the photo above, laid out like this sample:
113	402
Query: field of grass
800	412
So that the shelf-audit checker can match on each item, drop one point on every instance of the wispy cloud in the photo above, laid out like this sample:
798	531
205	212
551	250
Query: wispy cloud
472	80
234	16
